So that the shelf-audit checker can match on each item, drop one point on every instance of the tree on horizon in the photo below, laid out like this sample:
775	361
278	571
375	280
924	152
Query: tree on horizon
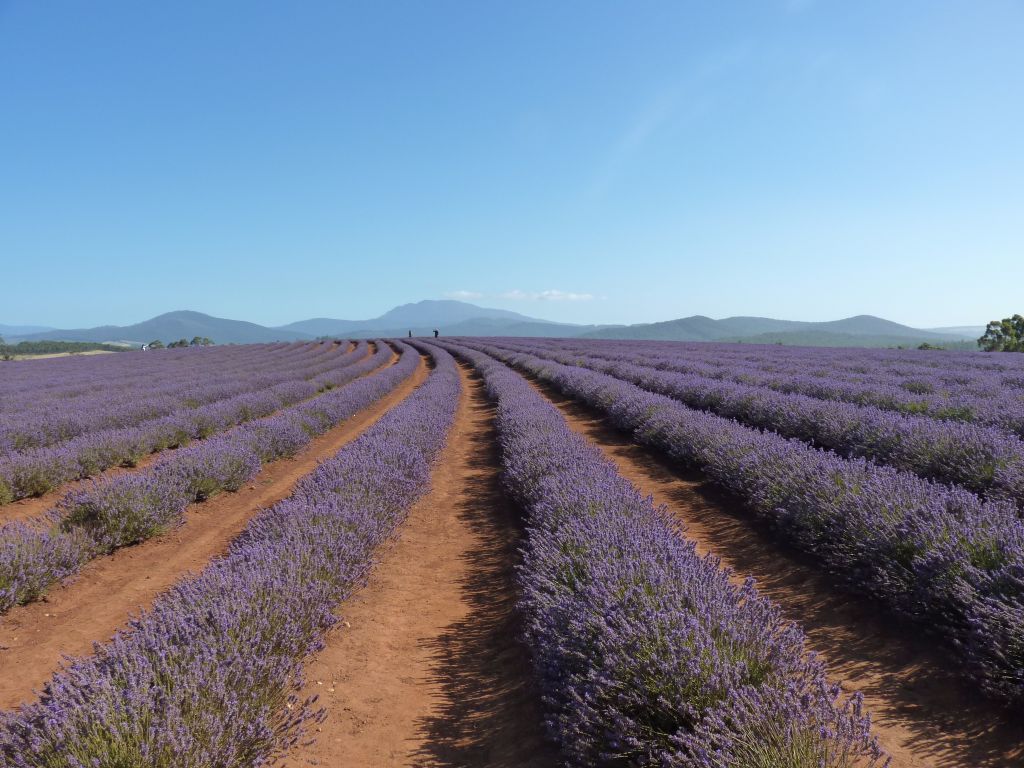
1006	335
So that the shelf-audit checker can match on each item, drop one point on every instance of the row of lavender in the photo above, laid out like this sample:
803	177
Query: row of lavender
72	377
131	508
982	459
935	553
645	652
39	470
952	371
32	389
998	403
45	421
206	678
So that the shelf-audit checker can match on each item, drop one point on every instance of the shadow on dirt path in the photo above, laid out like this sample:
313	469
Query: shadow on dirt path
429	671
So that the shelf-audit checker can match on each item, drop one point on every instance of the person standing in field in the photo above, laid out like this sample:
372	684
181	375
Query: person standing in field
410	334
436	332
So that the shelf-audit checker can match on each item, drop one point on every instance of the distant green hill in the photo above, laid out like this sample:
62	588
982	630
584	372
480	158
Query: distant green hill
858	331
459	318
175	325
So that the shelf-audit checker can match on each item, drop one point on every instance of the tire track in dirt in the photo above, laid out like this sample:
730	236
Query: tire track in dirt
922	711
34	506
425	669
92	605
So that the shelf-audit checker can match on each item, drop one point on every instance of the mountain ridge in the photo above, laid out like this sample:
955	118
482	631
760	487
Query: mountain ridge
426	312
457	318
170	326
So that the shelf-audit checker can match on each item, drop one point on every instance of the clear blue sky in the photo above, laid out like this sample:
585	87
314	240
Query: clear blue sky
580	161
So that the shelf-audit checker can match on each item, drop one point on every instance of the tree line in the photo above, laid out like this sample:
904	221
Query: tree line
197	341
10	351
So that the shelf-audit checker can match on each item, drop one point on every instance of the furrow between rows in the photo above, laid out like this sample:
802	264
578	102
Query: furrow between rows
425	667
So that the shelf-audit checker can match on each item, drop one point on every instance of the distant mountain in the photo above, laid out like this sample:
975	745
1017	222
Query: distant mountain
459	318
427	314
479	326
869	325
696	328
861	330
172	326
321	326
446	312
745	326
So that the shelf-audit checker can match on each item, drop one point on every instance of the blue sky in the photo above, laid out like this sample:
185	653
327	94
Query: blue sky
581	161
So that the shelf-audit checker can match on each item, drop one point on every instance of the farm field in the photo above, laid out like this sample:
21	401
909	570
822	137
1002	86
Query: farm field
512	552
61	354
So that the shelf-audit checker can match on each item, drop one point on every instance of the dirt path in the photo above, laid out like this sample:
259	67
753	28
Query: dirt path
425	670
23	509
922	712
91	606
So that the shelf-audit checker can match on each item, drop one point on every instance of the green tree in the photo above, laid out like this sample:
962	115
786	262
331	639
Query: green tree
156	344
1006	335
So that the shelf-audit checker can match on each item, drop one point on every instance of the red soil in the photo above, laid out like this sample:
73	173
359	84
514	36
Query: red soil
922	712
97	602
425	669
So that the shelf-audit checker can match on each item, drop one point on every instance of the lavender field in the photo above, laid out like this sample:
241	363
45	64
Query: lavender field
184	534
512	385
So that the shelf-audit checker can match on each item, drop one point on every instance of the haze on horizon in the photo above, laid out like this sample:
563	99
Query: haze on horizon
581	162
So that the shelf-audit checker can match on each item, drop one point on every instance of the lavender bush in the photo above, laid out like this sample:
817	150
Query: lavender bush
223	464
130	509
33	557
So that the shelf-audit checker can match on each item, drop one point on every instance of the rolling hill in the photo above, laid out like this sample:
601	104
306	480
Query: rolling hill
457	318
420	317
174	325
860	331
